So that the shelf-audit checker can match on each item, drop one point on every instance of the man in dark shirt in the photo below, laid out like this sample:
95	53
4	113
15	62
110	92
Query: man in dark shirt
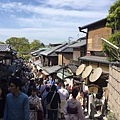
55	103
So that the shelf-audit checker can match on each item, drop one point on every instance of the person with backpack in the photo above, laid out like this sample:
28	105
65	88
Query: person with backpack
53	100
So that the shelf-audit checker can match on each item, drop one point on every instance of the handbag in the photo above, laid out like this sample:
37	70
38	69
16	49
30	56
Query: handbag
48	105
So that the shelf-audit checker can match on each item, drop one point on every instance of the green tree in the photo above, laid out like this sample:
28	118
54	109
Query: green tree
19	44
26	57
114	16
112	53
113	19
2	42
36	44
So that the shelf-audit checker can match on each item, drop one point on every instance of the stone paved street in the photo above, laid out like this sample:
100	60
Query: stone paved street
97	117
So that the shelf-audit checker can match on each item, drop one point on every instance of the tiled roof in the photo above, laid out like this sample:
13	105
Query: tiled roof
72	67
51	69
62	48
78	44
37	52
104	20
68	50
65	49
53	54
50	51
5	47
95	59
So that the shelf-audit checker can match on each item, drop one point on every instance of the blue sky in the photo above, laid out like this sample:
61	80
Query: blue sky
50	21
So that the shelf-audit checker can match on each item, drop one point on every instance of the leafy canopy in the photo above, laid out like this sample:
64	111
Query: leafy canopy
113	19
2	42
114	16
19	44
36	44
22	44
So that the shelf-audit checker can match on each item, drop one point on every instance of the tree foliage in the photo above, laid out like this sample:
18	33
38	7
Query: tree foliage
2	42
114	16
26	57
22	44
19	44
36	44
113	22
112	53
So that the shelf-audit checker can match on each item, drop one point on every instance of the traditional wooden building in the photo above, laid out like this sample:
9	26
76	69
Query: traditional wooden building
65	54
35	55
49	57
94	55
96	31
7	54
79	50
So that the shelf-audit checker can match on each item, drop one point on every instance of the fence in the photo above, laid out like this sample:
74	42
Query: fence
114	89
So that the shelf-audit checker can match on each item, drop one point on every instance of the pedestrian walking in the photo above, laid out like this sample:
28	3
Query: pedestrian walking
25	88
73	108
44	101
53	98
64	95
17	105
2	101
36	110
50	81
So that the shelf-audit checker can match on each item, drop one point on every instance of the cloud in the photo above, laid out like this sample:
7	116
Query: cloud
49	20
51	11
44	35
77	4
46	15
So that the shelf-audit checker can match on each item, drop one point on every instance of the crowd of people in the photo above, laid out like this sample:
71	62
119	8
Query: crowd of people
32	96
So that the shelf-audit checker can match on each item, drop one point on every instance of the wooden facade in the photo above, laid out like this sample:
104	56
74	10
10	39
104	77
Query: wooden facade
78	52
94	38
64	58
53	61
96	31
49	61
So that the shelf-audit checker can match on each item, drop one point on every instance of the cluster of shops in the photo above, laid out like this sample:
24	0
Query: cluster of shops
81	61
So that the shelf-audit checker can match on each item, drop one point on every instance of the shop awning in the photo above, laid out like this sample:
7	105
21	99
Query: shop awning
66	74
44	72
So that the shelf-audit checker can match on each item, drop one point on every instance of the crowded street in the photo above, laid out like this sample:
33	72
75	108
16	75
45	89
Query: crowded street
44	90
60	60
